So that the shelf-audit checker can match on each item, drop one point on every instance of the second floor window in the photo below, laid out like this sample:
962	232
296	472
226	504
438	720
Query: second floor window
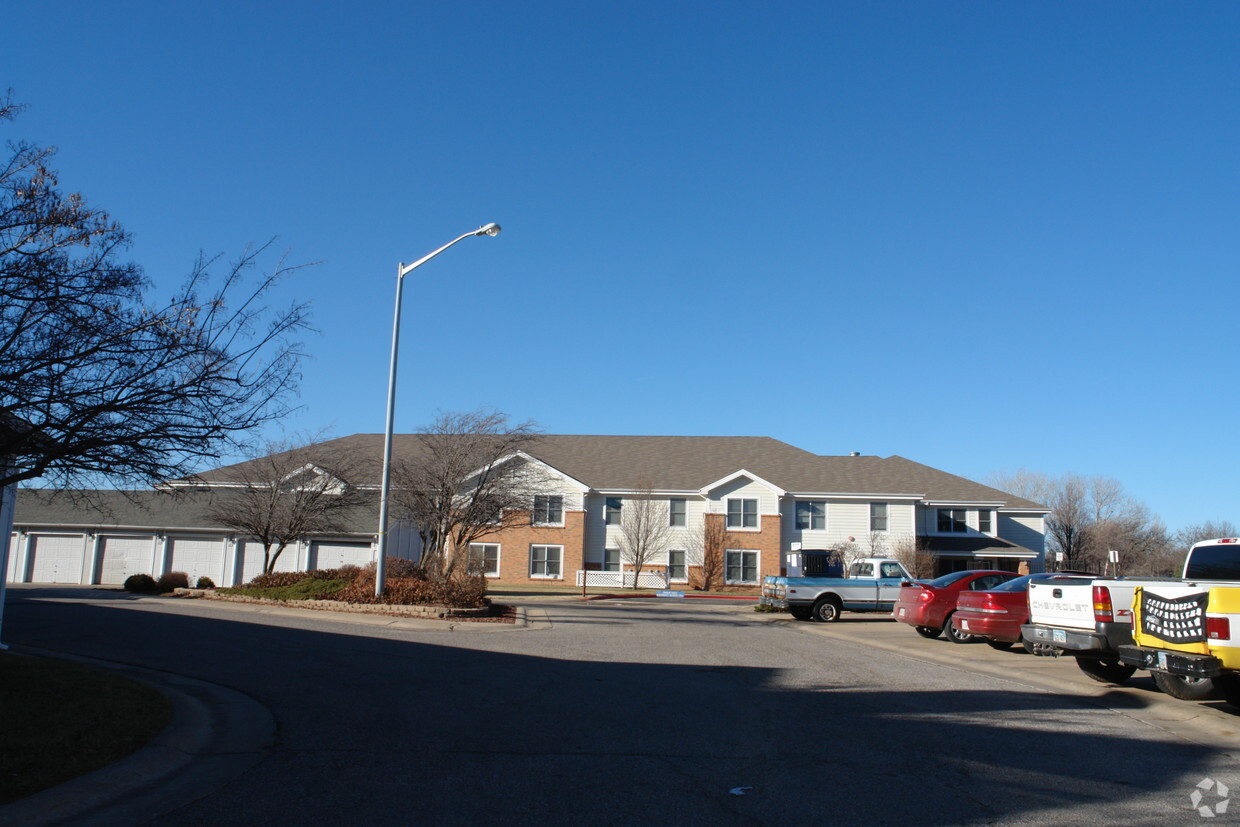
984	523
953	521
676	511
878	516
548	509
611	511
812	515
742	513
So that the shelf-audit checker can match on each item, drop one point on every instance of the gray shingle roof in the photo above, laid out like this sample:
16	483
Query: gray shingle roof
689	463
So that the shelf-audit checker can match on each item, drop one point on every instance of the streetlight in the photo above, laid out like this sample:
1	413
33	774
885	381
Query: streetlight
402	270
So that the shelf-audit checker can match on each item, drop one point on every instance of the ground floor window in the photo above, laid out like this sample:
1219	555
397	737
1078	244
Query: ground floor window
676	569
611	559
545	561
484	559
741	567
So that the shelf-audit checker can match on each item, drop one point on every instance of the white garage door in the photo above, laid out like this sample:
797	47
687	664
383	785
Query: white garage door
56	558
13	549
120	557
197	557
334	555
251	554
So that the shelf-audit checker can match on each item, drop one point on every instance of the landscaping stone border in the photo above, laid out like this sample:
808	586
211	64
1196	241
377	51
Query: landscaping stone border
431	612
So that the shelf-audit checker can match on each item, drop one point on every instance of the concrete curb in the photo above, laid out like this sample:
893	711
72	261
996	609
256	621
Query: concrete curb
215	734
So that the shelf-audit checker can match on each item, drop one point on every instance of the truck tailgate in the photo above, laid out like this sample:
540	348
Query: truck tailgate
1066	605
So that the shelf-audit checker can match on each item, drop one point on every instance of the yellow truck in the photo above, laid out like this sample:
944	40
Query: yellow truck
1188	636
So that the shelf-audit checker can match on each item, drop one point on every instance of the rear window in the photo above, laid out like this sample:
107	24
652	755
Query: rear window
1021	584
948	579
1217	562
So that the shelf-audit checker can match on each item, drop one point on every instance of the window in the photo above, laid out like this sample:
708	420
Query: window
892	570
611	559
861	570
984	521
742	513
484	558
676	568
878	516
952	521
740	566
548	509
611	511
812	515
676	511
545	561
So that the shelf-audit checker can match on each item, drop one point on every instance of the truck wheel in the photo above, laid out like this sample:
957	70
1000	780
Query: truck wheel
953	634
827	610
800	613
1228	688
1184	688
999	644
1106	671
928	631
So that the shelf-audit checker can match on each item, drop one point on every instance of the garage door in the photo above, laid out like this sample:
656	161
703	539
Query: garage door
197	557
251	554
120	557
334	555
56	558
13	548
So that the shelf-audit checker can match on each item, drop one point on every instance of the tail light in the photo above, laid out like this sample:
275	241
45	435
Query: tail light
926	596
1103	611
1218	628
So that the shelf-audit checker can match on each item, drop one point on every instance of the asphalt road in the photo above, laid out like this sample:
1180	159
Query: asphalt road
649	712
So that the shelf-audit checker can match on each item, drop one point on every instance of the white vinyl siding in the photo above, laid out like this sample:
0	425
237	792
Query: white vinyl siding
1026	530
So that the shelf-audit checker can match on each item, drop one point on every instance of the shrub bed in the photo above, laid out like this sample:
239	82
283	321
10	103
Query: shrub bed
404	585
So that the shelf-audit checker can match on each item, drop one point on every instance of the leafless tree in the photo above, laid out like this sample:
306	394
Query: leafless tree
95	382
644	529
288	491
465	482
706	549
911	552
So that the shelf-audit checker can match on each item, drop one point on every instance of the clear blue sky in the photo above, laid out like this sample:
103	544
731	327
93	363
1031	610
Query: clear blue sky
980	235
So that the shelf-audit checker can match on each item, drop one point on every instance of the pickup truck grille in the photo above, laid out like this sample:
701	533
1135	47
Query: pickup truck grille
1174	619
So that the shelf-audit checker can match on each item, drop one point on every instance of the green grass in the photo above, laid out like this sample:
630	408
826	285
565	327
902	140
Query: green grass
307	589
62	720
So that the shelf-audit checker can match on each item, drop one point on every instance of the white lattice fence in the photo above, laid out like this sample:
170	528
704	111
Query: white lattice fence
622	579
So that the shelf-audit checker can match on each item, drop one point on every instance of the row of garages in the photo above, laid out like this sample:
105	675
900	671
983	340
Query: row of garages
108	559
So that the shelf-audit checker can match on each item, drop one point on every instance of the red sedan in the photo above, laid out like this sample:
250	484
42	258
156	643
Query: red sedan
998	614
928	606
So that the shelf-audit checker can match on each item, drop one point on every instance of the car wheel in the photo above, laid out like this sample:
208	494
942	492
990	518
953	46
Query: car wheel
1228	688
999	644
955	635
928	631
1185	688
827	610
800	613
1106	671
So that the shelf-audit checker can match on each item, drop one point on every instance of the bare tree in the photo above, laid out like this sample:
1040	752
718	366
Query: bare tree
97	383
289	491
707	549
912	554
644	529
465	482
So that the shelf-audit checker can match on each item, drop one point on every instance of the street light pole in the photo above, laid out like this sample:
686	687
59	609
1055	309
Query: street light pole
402	270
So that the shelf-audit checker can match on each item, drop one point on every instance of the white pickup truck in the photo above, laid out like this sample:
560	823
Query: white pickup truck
872	585
1090	620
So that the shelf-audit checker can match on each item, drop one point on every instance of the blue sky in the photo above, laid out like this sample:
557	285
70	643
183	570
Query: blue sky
980	235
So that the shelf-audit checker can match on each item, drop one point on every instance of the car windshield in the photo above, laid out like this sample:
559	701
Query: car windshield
948	579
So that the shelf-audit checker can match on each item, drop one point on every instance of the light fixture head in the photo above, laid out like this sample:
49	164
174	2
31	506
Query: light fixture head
488	229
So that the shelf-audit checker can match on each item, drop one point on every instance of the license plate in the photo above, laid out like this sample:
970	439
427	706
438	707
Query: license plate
1162	660
1059	636
964	624
903	612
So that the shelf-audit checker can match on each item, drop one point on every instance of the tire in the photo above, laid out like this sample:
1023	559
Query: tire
1228	688
827	610
1001	645
800	613
1106	671
928	631
1186	689
955	635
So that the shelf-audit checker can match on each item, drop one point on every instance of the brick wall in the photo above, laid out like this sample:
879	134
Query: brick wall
515	542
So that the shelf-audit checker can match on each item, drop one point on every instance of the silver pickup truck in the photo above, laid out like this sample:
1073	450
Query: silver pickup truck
1091	619
871	585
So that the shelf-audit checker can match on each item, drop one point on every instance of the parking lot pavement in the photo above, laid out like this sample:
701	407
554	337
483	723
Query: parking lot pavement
1210	723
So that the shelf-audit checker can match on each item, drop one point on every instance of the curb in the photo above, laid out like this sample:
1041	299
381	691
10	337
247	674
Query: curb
215	734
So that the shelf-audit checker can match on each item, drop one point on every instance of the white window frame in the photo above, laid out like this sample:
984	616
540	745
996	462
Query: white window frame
886	517
608	512
684	512
757	514
963	521
559	561
796	515
684	565
990	518
619	559
498	552
757	567
534	511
